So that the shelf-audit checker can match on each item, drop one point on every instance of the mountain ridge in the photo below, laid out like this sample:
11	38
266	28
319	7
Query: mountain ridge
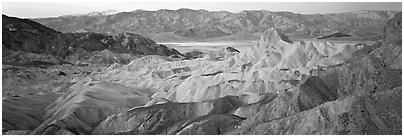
202	24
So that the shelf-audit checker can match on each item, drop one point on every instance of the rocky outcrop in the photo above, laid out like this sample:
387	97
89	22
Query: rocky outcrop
194	54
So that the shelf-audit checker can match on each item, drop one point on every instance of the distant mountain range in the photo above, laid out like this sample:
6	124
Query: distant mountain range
201	24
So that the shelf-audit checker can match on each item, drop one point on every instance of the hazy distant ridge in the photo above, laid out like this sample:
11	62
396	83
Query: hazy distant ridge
200	24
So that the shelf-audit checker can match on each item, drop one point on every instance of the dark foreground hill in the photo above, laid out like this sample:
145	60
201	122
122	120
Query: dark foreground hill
25	41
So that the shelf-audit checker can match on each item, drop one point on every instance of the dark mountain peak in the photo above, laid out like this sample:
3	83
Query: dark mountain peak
13	24
26	35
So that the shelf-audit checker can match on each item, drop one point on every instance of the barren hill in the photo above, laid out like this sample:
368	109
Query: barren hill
49	46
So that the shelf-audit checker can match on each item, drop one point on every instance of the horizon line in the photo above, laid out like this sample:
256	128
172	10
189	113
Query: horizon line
99	11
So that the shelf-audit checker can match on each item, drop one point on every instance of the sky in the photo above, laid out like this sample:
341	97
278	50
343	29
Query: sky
54	9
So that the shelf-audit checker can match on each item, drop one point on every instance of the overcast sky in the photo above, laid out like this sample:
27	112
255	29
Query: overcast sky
46	9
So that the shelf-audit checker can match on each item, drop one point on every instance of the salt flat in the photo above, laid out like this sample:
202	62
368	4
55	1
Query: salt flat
209	46
184	47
